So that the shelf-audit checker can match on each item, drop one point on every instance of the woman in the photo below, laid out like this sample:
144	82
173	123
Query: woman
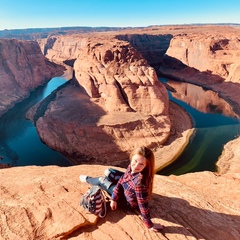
132	188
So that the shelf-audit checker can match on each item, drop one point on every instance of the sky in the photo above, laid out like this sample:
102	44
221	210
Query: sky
20	14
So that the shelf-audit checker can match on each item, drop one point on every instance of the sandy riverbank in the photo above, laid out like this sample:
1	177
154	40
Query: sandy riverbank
181	132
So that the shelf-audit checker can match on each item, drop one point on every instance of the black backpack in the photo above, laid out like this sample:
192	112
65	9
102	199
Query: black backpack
94	201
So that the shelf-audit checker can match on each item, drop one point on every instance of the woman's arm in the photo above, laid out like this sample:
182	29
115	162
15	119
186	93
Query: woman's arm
115	195
143	204
142	198
113	204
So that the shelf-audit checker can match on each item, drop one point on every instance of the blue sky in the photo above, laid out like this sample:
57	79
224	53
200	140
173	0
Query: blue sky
17	14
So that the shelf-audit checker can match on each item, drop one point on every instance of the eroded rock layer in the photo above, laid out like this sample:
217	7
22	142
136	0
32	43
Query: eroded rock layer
207	58
22	69
43	203
118	103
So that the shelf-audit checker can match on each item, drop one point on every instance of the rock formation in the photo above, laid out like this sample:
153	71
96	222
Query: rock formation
207	58
218	54
111	70
202	55
118	105
43	203
22	69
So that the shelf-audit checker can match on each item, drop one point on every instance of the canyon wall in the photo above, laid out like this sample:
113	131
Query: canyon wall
207	58
204	55
111	70
218	54
152	46
114	103
22	69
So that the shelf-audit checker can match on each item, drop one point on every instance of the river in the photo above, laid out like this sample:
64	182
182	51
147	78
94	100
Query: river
214	121
215	124
20	144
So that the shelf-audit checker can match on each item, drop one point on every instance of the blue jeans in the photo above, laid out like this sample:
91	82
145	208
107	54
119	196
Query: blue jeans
107	182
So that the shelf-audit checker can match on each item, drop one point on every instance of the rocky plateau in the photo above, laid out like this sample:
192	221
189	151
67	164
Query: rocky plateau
43	203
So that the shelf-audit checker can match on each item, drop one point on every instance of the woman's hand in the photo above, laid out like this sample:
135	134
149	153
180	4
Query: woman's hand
113	204
157	227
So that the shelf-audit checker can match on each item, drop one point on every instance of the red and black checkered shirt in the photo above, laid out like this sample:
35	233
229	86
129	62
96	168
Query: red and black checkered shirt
135	192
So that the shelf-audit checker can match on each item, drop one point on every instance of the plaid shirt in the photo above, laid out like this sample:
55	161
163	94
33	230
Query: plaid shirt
135	193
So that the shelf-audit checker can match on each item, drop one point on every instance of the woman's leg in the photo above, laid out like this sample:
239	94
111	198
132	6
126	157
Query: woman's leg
107	182
113	175
103	182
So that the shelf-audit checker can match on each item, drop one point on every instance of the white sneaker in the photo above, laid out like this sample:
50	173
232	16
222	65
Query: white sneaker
107	172
83	178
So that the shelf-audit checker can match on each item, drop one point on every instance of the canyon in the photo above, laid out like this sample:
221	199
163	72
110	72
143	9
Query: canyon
113	103
23	68
113	69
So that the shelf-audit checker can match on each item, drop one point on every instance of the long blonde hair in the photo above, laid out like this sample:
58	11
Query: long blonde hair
149	170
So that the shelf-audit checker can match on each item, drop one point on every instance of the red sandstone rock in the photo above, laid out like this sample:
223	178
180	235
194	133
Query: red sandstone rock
208	52
43	203
228	164
118	81
125	105
22	69
209	58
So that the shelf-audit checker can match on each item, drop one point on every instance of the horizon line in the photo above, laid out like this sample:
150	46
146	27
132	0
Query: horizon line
156	25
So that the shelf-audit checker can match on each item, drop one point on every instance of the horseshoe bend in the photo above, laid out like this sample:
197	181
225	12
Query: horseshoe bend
113	103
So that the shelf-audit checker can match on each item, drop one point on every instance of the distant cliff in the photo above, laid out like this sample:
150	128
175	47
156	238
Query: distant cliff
152	46
22	69
208	57
217	54
37	33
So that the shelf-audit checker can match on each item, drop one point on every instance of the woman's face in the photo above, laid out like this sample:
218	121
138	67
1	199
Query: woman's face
138	163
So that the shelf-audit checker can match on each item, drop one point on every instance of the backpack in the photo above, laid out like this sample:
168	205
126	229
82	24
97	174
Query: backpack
94	202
